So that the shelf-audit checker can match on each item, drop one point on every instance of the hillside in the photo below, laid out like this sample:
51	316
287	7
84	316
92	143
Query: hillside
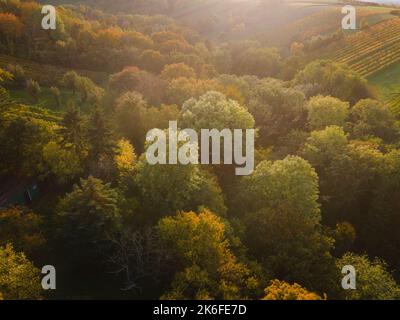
372	50
101	180
276	22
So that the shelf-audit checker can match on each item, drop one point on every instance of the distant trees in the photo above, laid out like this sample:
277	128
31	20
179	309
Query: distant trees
330	78
18	75
152	60
276	109
181	89
130	113
132	78
5	76
11	28
125	80
89	92
262	62
177	70
33	89
56	95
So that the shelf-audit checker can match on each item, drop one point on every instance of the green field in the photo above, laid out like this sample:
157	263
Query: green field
49	75
47	100
386	81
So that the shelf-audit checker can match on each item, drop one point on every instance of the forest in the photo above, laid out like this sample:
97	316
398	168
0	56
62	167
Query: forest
78	193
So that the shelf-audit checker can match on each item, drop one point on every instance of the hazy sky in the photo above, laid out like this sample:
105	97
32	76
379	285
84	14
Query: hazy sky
383	1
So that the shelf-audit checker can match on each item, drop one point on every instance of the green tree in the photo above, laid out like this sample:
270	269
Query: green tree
18	75
213	110
373	280
100	136
282	219
21	143
71	81
87	215
193	187
130	114
325	146
326	111
63	163
334	79
374	118
276	109
33	89
56	95
344	166
72	130
88	90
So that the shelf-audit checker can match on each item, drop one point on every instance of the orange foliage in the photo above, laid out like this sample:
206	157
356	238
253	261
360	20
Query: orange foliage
10	25
281	290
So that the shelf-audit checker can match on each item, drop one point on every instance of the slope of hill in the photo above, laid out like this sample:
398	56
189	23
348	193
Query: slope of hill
277	22
47	74
372	50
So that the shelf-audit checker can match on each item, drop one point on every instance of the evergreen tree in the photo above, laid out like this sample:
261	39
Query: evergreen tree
99	136
72	130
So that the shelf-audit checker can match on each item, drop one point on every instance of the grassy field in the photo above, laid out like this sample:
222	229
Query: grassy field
47	100
386	81
49	75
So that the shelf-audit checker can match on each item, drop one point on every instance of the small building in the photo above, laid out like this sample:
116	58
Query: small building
14	192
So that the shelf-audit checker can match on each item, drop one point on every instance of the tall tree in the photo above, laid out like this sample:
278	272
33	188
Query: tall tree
72	130
100	136
282	219
206	267
87	215
19	278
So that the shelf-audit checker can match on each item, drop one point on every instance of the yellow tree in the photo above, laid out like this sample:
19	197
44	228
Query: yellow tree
19	278
22	228
207	268
281	290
